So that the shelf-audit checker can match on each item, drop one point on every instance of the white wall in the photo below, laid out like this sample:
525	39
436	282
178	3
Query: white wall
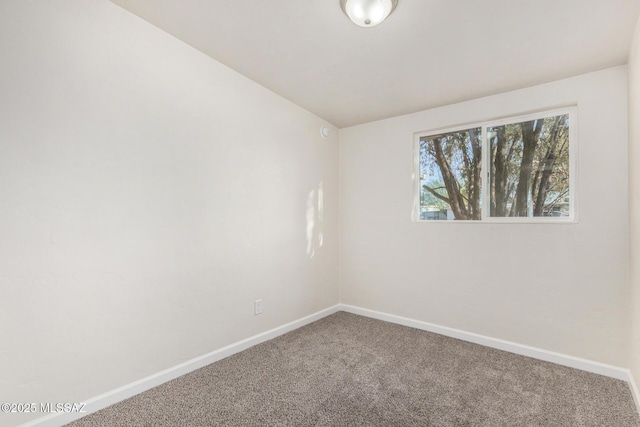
634	202
557	287
148	195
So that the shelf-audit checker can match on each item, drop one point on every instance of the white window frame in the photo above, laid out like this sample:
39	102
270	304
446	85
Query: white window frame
485	218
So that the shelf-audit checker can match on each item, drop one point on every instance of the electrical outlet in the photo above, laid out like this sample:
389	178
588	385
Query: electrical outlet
257	307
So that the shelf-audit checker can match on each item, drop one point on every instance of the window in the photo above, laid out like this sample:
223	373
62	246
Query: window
450	182
513	170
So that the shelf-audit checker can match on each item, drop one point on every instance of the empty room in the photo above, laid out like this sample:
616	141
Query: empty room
319	213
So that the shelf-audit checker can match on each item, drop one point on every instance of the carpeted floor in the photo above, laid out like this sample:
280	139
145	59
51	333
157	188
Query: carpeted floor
349	370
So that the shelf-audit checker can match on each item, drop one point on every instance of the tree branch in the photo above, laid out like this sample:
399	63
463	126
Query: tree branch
435	193
560	196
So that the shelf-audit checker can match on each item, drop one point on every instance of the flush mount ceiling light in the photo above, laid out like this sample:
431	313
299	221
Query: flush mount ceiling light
368	13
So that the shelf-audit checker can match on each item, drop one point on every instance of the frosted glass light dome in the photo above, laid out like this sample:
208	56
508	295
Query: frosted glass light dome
368	13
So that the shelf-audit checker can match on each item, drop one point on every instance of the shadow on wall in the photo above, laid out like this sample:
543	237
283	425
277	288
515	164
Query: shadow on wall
314	220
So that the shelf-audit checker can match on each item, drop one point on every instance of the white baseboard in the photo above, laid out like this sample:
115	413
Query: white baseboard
524	350
107	399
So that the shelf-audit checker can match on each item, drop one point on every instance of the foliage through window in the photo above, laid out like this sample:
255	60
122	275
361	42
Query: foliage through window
527	168
450	166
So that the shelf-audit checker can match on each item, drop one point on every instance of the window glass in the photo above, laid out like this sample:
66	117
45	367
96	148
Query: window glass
450	176
530	168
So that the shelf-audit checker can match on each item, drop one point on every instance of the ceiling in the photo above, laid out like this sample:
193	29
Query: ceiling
428	53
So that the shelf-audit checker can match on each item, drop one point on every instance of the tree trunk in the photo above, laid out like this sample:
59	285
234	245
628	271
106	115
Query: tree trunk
450	183
546	168
475	183
530	134
501	174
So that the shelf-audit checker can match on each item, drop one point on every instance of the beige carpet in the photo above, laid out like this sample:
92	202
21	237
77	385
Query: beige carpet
348	370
